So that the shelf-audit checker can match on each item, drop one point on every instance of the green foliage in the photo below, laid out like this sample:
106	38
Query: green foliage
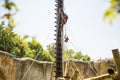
76	55
86	58
45	56
10	5
11	9
35	48
37	51
116	5
110	14
19	47
68	54
51	49
11	42
114	9
10	19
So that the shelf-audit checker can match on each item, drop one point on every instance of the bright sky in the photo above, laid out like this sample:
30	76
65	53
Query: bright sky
85	28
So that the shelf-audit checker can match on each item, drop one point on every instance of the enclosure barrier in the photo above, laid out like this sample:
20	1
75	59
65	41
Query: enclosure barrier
111	73
101	77
116	55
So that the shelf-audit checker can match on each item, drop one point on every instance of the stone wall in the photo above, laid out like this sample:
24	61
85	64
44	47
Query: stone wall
29	69
88	69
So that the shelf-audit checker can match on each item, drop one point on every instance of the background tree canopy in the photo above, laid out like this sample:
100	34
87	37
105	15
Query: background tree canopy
18	46
68	54
114	9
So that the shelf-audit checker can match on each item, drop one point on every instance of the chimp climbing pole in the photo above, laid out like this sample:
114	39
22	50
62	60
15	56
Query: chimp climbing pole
61	19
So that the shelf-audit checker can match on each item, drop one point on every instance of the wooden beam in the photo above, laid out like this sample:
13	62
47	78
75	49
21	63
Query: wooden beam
101	77
116	56
60	78
75	75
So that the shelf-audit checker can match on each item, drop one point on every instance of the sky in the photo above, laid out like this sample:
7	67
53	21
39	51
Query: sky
86	28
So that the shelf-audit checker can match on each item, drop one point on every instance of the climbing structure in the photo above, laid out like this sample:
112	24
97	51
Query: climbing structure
61	19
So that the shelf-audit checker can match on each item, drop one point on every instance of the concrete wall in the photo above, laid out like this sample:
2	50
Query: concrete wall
29	69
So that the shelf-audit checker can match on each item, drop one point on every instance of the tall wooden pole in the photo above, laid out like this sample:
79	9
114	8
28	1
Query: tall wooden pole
116	56
59	43
61	19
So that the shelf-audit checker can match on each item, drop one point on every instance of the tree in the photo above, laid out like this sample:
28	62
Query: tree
51	49
19	47
76	55
10	9
113	10
15	44
45	56
12	42
38	52
68	54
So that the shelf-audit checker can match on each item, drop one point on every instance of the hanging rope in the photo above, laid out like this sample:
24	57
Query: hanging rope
78	70
71	42
93	69
29	67
32	63
71	67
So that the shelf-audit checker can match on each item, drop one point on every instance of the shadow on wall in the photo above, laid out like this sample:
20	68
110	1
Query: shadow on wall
2	76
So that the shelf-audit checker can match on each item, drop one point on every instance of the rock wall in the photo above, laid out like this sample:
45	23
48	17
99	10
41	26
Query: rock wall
29	69
88	69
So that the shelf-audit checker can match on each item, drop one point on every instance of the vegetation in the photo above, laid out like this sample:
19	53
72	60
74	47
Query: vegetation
71	54
18	46
38	52
114	9
13	42
10	9
68	54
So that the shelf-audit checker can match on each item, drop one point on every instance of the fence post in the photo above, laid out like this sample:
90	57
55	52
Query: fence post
116	56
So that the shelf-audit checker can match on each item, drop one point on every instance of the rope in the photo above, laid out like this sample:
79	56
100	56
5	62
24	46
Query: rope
78	50
31	64
73	40
47	38
29	67
73	45
77	70
93	69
